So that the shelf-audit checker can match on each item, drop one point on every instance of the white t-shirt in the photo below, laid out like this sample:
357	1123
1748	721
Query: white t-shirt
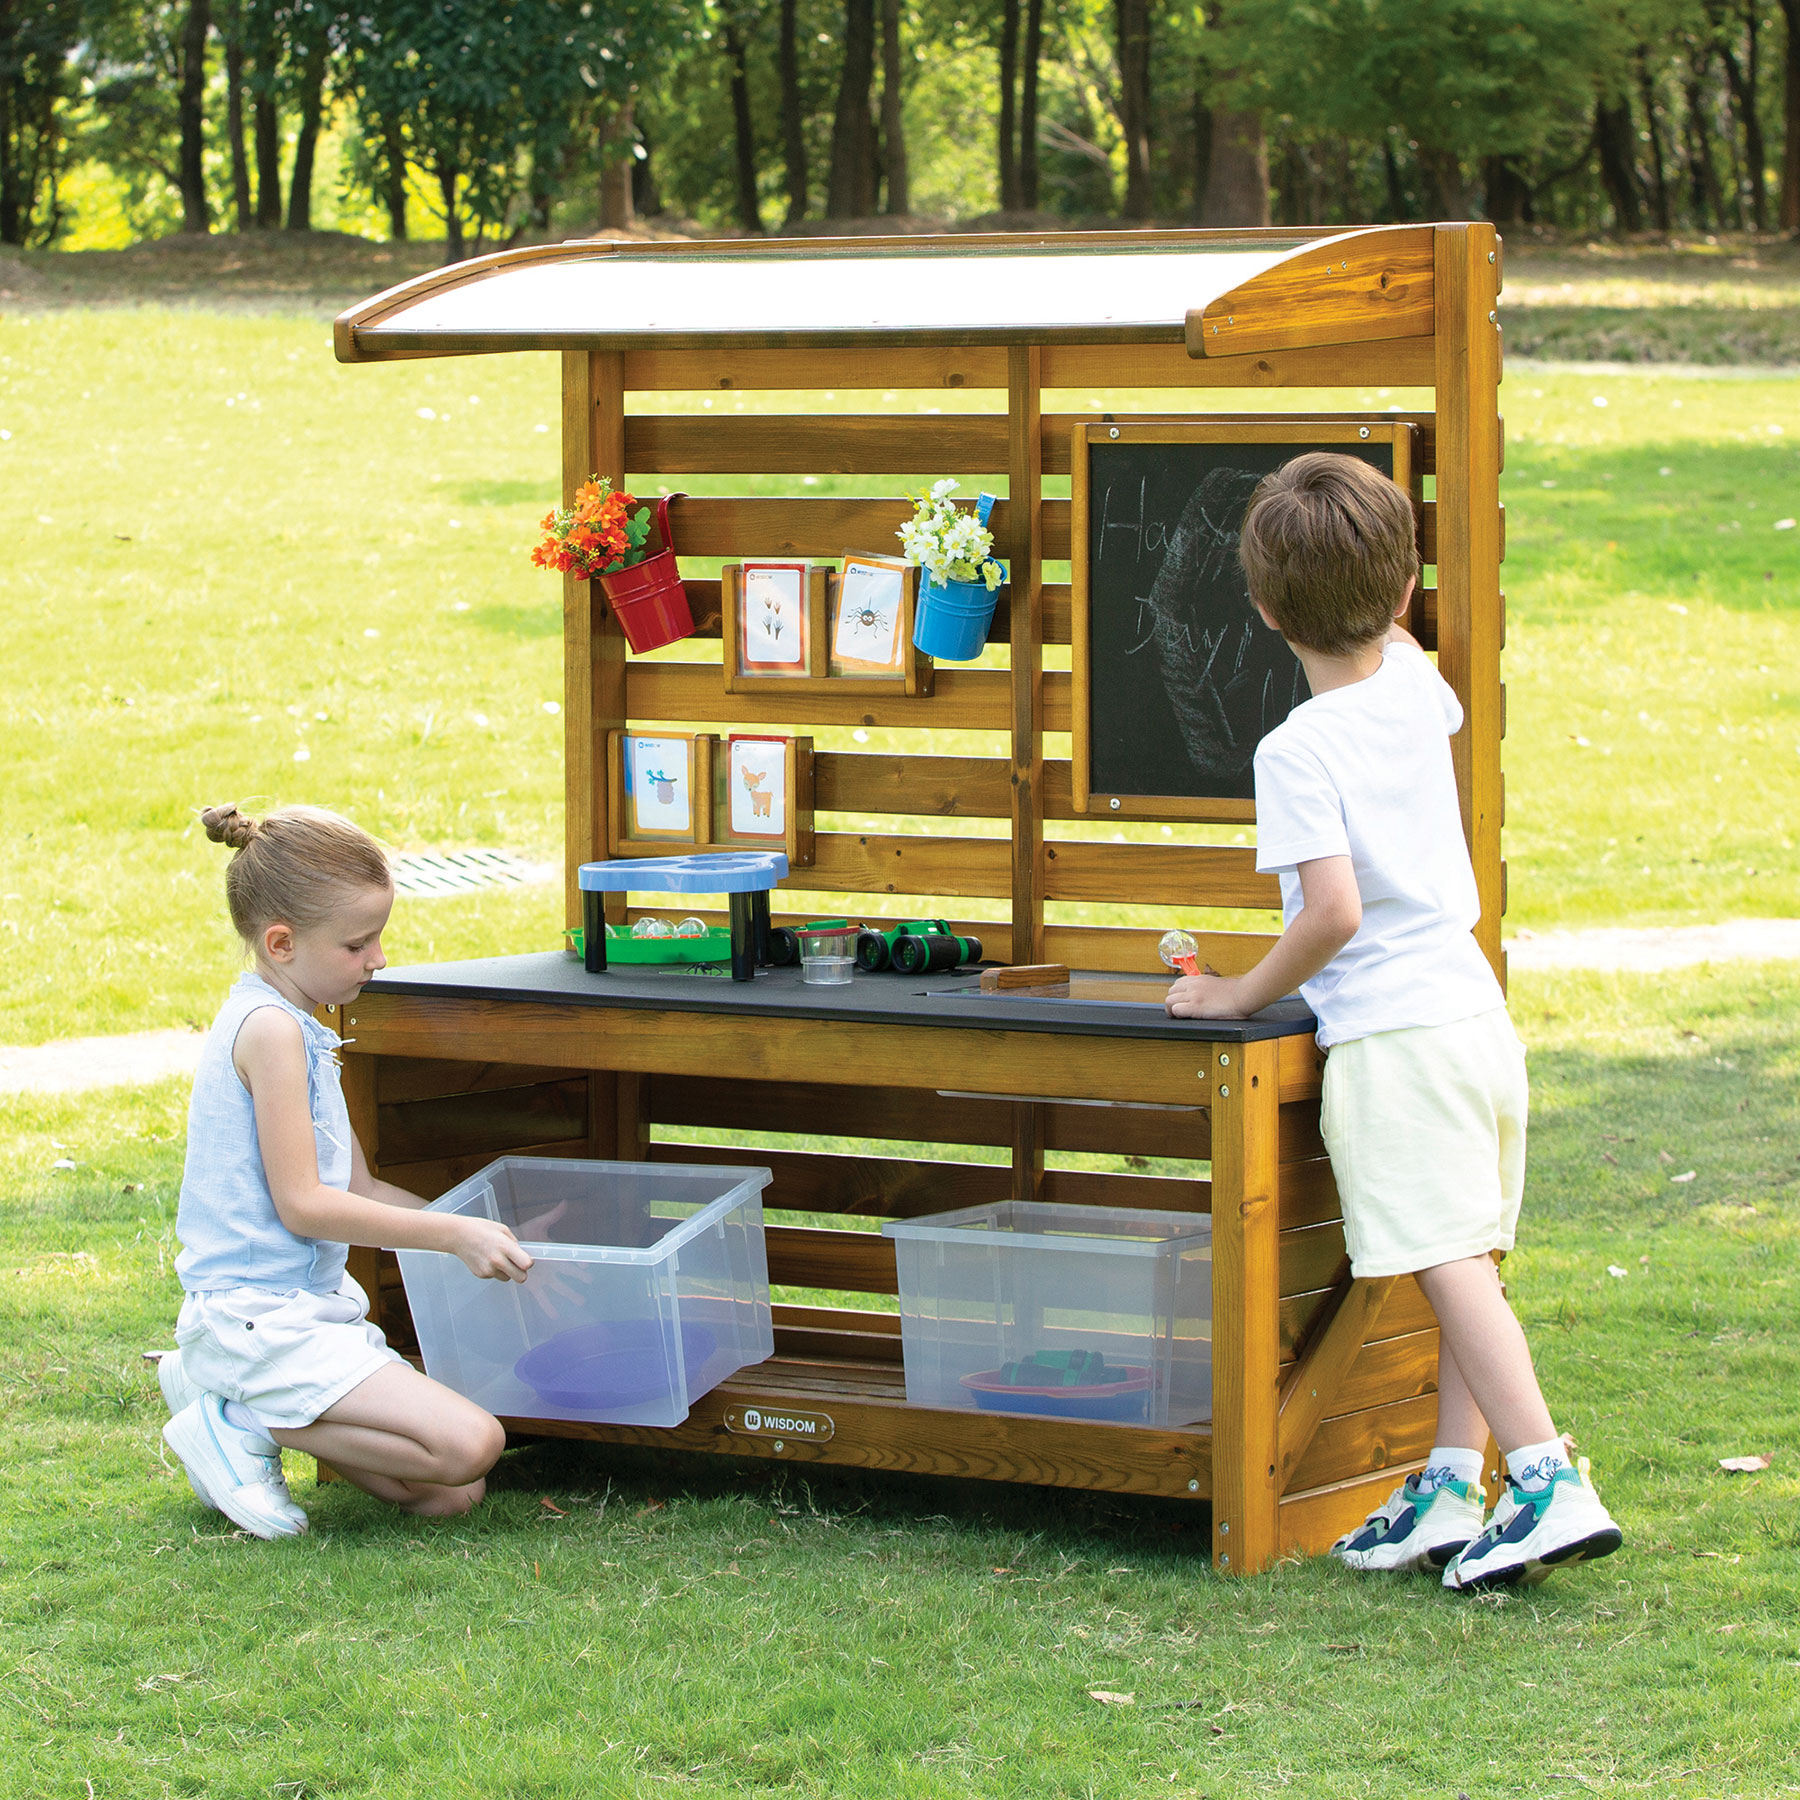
1364	771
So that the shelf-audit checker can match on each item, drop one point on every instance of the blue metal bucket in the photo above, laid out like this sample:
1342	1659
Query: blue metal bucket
952	619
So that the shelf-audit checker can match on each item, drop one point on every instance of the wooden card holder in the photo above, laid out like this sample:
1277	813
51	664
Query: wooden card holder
630	833
752	795
909	671
743	675
821	669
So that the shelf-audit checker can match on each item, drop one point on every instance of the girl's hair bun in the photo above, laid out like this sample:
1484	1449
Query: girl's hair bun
226	825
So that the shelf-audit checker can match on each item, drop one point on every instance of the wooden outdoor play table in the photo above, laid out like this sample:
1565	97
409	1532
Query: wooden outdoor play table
445	1053
785	395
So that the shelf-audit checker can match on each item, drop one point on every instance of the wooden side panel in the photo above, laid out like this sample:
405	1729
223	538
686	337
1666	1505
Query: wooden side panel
1246	1320
1468	488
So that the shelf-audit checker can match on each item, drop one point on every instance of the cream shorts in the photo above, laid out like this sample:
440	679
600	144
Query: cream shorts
286	1356
1426	1131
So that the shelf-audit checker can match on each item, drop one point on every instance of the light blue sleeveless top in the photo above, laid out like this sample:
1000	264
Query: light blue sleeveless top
230	1233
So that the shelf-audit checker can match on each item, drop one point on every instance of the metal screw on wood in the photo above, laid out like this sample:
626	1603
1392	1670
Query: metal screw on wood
1493	318
1114	433
1492	257
1224	1092
1363	431
1115	804
1193	1486
1225	1529
1224	1562
780	1445
1224	1059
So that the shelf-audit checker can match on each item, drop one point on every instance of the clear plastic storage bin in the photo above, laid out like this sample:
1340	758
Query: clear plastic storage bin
650	1287
1074	1312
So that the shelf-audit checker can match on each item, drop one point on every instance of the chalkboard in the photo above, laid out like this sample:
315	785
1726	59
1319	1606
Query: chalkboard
1176	679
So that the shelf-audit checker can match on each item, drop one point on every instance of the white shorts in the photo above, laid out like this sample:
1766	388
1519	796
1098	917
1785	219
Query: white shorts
287	1356
1426	1131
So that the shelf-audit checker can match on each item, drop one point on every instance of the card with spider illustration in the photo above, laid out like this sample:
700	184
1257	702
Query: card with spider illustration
871	618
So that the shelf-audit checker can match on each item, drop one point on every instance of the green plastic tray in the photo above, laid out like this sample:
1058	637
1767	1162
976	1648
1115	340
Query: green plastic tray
623	948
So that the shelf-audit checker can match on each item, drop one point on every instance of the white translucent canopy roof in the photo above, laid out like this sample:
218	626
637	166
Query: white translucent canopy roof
1129	287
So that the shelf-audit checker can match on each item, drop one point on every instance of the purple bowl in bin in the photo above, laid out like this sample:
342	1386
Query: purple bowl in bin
609	1366
1123	1402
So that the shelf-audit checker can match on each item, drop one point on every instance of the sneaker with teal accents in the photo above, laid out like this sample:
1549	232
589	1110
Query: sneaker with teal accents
233	1471
1533	1531
1418	1527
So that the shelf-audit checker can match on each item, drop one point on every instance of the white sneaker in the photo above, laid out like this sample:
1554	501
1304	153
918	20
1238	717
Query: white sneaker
178	1392
1533	1531
233	1471
1414	1529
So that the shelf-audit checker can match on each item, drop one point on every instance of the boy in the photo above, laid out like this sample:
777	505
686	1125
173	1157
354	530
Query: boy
1425	1092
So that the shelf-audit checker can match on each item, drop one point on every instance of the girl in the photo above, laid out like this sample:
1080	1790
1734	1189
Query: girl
273	1347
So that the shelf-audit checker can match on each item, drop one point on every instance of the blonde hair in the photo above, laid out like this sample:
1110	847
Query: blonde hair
297	866
1327	546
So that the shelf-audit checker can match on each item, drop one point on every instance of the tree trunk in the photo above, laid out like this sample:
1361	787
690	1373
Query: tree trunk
1659	169
1506	194
1443	174
1708	196
394	180
1132	20
893	124
12	213
1742	80
454	248
1028	105
1237	171
617	210
242	204
1200	125
793	123
306	140
851	191
749	214
1396	191
1009	74
1616	141
1790	109
196	215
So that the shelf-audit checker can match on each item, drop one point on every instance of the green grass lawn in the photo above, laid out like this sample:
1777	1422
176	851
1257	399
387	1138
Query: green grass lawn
238	570
706	1627
234	569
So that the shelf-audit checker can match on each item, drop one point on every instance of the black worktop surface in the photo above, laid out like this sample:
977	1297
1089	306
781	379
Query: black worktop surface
887	999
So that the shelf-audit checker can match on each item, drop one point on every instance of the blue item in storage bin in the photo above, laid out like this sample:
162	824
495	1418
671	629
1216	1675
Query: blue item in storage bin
649	1286
746	876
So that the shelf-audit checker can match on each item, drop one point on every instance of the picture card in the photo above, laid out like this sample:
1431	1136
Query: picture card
659	787
756	786
772	621
866	633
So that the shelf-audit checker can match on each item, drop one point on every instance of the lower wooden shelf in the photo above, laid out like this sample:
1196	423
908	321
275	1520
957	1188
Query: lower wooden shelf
794	1409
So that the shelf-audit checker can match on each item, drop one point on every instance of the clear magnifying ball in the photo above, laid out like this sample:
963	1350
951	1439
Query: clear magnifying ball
652	928
1174	946
691	928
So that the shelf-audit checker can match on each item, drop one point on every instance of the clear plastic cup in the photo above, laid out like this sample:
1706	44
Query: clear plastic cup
827	957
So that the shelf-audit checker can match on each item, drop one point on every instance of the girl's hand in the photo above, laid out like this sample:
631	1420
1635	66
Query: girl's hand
1206	996
491	1251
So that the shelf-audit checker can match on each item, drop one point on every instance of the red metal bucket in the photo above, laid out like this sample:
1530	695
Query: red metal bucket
648	599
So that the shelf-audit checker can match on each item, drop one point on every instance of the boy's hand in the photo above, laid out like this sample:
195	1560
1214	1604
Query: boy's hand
491	1251
1205	996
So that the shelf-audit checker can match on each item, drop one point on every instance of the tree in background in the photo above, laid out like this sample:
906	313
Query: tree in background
850	191
37	38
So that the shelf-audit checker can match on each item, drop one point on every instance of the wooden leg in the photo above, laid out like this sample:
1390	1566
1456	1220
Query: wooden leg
1246	1307
1027	1152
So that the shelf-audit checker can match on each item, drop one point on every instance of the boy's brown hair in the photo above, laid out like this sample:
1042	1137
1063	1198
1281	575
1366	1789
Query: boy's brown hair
1327	547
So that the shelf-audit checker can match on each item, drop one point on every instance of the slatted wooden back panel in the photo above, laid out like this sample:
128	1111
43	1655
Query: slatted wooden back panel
1034	868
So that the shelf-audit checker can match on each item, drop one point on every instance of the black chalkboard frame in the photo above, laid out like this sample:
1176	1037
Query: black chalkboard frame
1299	433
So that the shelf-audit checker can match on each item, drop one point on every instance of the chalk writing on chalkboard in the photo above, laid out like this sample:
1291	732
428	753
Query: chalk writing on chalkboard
1182	679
